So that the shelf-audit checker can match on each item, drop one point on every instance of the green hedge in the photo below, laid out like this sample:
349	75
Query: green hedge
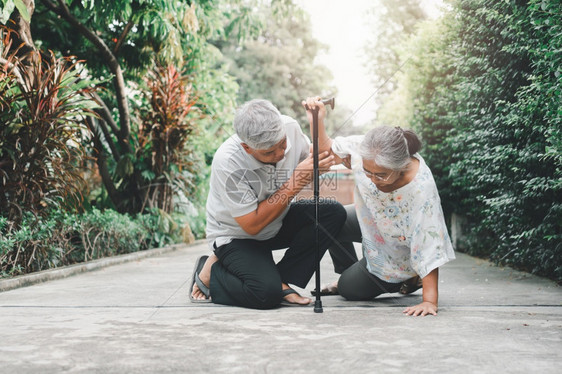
64	238
484	86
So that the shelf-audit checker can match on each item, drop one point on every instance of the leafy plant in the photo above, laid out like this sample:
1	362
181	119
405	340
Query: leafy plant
60	239
118	40
167	160
41	130
9	6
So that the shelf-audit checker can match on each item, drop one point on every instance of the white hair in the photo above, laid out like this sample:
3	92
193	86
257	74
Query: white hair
258	124
390	147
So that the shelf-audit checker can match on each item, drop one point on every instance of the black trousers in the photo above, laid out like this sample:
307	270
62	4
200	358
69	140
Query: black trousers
342	251
246	274
357	284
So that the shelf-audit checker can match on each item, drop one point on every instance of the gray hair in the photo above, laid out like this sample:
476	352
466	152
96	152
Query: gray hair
390	147
258	124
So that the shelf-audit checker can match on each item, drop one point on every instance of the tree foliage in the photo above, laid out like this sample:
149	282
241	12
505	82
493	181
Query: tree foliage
121	41
278	64
392	23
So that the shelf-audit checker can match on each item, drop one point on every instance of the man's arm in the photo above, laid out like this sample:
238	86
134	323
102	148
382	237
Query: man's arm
269	209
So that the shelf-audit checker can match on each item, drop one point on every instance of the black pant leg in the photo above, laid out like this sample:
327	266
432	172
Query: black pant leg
246	275
298	233
343	251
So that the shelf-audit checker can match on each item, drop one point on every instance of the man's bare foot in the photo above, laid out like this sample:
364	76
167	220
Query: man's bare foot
205	276
295	298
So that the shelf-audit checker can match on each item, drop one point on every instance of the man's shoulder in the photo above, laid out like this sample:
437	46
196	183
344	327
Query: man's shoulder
290	123
228	152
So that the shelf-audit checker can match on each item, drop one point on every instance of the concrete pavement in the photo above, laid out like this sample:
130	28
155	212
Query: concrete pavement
136	318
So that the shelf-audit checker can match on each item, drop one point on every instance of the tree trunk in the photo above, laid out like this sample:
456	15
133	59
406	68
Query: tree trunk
23	29
123	131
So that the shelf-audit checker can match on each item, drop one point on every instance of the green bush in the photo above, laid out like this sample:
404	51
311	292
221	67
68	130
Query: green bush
506	141
63	239
485	93
42	107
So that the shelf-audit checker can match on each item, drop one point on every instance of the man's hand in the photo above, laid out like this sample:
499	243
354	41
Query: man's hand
270	208
304	173
422	309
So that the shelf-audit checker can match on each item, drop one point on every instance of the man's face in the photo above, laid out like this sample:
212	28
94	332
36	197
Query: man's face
268	156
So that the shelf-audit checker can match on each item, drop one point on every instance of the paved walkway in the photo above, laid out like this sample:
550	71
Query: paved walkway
136	318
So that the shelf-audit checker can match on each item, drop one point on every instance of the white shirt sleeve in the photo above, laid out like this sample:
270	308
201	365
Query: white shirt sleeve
301	141
344	146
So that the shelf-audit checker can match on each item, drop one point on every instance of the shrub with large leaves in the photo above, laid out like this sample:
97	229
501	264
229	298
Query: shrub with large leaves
166	160
41	131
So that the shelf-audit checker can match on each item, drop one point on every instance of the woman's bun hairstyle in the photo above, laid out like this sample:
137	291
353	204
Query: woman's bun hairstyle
414	143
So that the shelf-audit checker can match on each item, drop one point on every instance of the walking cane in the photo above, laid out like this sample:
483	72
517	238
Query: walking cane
332	102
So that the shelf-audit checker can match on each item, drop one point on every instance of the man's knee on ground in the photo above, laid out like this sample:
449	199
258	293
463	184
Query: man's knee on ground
264	295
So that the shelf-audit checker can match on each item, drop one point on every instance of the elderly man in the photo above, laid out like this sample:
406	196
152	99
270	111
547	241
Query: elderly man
255	176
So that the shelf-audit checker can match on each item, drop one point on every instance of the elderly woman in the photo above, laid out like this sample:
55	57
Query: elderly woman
397	217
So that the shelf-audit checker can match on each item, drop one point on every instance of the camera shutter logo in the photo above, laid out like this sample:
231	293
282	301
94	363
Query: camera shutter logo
237	186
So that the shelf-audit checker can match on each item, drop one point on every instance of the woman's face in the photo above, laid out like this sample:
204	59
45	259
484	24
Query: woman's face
380	176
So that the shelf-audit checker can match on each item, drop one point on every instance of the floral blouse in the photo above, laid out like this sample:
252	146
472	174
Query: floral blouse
404	231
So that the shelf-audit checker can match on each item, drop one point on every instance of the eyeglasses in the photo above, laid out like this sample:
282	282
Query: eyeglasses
377	176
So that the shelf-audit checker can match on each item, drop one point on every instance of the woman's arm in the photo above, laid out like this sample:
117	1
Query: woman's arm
324	141
430	296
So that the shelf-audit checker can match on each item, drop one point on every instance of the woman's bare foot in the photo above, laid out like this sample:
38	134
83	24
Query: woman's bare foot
328	289
295	298
411	285
205	276
331	289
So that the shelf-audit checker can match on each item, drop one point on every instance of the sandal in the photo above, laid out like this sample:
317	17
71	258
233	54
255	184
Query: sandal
195	279
290	291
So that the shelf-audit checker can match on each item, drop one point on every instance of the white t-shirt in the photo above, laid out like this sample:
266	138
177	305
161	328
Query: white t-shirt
404	231
239	183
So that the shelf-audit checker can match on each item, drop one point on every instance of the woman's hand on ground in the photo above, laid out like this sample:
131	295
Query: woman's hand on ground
422	309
